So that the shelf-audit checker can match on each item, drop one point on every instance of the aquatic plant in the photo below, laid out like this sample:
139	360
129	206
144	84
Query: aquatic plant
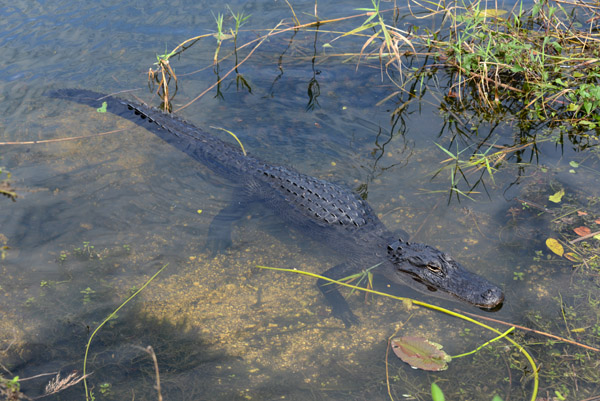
5	188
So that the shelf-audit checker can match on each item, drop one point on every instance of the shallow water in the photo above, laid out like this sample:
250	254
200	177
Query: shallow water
96	217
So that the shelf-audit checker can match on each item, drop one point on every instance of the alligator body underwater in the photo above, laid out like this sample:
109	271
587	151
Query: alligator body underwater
328	212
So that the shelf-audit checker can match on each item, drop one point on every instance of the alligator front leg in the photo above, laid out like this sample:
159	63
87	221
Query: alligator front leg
339	306
219	231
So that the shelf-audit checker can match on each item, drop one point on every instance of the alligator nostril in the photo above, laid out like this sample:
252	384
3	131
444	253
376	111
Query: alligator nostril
492	294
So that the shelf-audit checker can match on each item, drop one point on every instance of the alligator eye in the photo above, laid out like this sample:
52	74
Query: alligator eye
435	268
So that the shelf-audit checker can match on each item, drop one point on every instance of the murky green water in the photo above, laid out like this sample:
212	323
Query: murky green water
96	217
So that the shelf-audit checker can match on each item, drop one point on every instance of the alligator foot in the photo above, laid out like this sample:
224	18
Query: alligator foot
345	316
219	231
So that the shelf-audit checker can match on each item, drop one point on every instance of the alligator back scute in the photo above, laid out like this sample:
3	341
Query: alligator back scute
323	202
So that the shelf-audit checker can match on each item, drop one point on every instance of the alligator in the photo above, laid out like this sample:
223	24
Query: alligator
330	213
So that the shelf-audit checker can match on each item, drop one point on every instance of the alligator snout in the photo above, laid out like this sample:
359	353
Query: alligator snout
492	298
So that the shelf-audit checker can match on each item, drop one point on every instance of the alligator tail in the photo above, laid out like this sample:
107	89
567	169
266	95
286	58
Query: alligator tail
198	144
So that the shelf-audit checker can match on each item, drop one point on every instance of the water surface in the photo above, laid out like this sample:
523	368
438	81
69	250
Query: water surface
96	217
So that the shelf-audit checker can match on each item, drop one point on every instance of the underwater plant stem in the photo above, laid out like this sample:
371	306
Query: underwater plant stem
485	344
428	306
87	347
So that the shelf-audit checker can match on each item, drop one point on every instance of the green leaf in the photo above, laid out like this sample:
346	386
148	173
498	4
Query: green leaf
497	398
573	164
492	13
421	353
557	47
556	198
436	393
561	82
517	68
597	236
102	109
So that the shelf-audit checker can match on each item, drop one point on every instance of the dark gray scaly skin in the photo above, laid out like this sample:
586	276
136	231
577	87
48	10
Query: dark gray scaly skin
330	213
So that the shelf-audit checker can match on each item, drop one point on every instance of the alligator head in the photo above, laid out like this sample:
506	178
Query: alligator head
438	272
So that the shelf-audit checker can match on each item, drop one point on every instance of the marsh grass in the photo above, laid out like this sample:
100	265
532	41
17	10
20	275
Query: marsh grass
538	66
5	187
545	56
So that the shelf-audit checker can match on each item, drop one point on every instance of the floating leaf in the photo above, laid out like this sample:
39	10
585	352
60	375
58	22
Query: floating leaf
597	221
555	246
597	236
580	213
573	257
103	108
436	393
557	196
573	164
420	353
582	231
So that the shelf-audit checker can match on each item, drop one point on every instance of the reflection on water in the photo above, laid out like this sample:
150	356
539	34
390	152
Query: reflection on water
95	218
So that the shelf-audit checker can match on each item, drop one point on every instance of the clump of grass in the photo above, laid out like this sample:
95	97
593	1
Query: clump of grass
544	57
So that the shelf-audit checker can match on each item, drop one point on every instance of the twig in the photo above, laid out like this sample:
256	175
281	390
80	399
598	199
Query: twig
584	237
37	376
387	352
153	355
532	330
62	139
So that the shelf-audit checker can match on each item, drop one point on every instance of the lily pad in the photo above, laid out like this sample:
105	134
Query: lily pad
421	353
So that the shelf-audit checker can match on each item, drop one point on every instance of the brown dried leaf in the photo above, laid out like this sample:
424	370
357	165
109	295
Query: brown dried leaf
582	231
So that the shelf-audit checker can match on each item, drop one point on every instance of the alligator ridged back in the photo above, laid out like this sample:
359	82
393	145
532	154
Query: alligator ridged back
317	199
296	196
222	157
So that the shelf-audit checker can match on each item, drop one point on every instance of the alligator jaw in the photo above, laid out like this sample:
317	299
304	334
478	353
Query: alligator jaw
435	272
